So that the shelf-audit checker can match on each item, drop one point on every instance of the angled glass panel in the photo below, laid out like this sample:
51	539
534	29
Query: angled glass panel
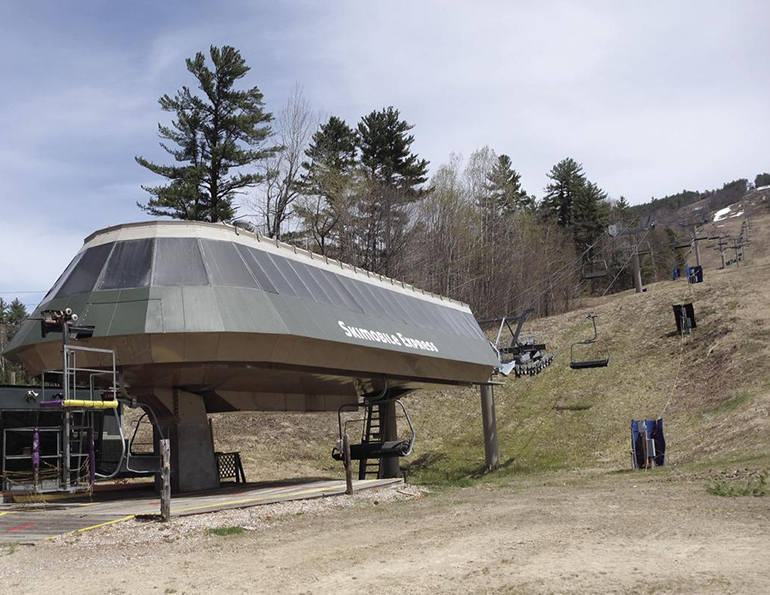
130	265
454	317
473	326
291	276
225	265
178	261
262	258
62	278
86	271
357	288
351	285
348	301
335	299
407	302
402	301
458	322
261	276
468	323
368	290
452	327
436	318
439	317
318	293
422	312
383	299
392	297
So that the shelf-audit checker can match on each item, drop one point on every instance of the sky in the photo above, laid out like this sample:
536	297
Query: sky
651	97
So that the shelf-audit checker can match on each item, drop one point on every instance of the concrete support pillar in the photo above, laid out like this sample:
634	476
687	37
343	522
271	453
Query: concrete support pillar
193	462
390	465
489	420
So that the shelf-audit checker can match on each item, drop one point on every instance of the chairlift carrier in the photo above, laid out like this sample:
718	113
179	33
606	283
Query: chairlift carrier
595	268
577	364
524	357
374	449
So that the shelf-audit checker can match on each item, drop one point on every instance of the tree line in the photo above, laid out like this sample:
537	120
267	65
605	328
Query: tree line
358	192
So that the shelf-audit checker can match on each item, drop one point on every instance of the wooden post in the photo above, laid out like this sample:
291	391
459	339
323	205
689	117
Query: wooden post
637	269
165	480
348	465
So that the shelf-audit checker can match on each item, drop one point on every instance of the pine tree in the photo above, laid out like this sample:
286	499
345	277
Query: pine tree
327	180
394	175
505	191
590	213
213	135
567	182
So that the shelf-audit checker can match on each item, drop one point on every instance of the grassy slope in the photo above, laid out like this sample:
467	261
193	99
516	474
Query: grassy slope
712	389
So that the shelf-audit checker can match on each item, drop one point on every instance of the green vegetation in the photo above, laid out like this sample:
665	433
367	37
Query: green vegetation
752	486
227	531
12	316
214	134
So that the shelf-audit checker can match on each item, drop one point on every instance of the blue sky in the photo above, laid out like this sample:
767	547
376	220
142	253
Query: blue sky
651	97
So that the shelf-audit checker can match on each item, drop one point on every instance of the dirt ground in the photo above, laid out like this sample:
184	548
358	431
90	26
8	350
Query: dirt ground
622	532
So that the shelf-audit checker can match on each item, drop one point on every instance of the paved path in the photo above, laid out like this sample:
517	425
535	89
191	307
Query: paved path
27	523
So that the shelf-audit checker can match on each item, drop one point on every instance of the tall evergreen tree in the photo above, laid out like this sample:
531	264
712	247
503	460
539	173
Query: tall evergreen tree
394	175
213	135
590	213
567	182
327	180
505	191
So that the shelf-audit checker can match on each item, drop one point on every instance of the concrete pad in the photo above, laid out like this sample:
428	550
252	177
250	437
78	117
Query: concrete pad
25	523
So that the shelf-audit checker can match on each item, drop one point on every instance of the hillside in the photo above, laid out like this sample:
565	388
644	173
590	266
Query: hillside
712	388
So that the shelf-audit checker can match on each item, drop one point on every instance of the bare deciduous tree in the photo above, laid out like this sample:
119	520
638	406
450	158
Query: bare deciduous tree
281	186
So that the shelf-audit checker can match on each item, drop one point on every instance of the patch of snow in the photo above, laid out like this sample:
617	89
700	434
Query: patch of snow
722	214
726	213
763	187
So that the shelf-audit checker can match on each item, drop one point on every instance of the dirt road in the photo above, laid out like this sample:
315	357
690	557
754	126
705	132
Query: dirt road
609	533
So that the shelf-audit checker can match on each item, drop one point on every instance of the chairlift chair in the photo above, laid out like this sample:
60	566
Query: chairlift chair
596	362
595	268
375	449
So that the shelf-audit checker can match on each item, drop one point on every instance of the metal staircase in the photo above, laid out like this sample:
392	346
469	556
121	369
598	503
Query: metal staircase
370	468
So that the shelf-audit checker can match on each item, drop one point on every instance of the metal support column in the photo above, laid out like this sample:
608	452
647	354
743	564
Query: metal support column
489	420
66	461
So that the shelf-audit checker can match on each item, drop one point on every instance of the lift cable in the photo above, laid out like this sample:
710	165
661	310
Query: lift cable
573	266
567	341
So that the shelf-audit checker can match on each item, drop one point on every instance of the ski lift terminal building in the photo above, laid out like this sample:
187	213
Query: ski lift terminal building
203	318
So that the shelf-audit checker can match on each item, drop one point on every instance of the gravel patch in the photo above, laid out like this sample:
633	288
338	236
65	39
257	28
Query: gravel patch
254	518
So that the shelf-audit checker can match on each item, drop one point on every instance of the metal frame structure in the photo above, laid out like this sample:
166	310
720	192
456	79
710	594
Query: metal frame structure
524	358
576	364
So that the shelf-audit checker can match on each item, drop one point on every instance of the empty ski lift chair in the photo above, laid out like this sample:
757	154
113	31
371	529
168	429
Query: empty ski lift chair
601	350
373	445
594	269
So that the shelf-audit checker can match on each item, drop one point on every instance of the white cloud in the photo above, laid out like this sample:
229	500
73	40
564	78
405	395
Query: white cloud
651	97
